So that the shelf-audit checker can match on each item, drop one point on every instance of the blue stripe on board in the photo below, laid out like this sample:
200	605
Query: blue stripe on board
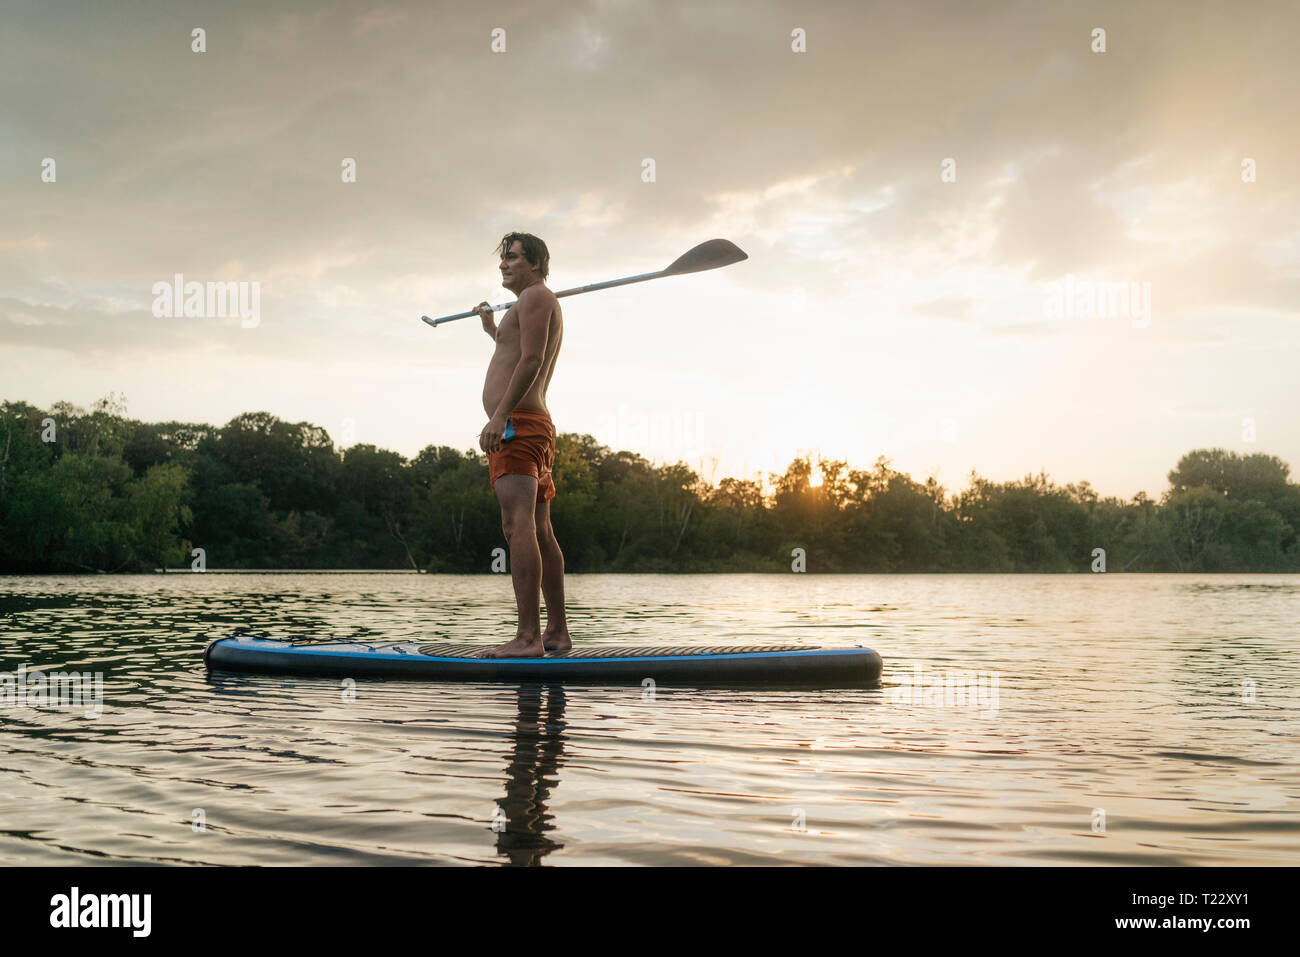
556	661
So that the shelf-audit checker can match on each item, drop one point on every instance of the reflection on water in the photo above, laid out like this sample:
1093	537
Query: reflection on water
531	772
1137	719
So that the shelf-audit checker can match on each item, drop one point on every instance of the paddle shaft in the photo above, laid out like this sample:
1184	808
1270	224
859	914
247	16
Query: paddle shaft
712	254
567	292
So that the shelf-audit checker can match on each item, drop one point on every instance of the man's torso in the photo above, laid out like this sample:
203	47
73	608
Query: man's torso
506	357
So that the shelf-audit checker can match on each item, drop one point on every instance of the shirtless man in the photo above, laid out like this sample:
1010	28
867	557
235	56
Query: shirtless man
519	440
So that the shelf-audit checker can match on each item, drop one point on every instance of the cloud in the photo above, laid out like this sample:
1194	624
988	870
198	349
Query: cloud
956	308
824	166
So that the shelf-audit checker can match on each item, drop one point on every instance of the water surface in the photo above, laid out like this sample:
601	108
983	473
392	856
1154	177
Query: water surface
1138	719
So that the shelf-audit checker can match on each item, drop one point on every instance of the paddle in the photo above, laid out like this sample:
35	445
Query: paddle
710	255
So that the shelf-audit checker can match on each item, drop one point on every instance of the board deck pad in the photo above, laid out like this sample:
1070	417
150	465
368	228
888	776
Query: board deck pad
448	661
617	651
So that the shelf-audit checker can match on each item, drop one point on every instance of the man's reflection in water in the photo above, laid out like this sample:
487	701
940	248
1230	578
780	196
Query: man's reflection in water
531	773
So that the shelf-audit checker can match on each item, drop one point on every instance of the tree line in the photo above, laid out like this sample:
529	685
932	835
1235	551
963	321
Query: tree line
93	490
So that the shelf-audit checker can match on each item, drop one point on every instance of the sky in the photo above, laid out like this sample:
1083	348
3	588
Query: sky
929	193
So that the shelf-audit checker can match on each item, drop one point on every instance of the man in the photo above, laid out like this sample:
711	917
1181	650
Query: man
519	440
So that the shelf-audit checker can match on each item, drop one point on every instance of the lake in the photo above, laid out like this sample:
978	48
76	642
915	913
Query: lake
1022	719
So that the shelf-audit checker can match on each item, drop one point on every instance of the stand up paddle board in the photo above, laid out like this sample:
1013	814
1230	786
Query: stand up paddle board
755	664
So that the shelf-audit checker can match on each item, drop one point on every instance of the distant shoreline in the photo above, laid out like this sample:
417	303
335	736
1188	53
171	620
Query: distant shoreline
99	493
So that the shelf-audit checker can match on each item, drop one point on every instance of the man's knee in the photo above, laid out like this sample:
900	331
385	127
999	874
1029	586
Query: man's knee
516	523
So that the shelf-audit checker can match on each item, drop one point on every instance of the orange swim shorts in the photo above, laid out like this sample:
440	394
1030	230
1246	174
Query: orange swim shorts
530	452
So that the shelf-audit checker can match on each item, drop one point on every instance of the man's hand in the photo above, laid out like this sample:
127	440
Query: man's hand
489	439
484	311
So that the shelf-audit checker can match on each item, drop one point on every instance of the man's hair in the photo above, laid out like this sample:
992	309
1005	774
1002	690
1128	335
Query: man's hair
535	250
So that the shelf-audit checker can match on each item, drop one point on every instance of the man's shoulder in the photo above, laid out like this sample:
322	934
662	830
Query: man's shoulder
537	292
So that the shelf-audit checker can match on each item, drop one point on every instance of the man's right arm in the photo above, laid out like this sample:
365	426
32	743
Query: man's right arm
485	314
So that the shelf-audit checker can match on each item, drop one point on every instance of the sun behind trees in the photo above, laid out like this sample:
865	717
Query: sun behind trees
95	491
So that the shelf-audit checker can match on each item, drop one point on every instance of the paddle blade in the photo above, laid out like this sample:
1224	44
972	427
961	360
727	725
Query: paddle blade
710	255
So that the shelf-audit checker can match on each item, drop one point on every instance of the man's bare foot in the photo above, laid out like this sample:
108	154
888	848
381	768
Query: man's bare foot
520	646
557	640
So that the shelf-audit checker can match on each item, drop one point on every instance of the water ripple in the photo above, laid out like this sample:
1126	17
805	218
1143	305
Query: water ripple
1138	719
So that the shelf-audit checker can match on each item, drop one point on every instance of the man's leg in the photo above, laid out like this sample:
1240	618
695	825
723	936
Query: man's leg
517	494
556	635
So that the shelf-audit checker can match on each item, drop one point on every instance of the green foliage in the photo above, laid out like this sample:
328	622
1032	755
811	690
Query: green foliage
93	490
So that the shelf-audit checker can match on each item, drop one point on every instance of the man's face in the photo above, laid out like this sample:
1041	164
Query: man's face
516	270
